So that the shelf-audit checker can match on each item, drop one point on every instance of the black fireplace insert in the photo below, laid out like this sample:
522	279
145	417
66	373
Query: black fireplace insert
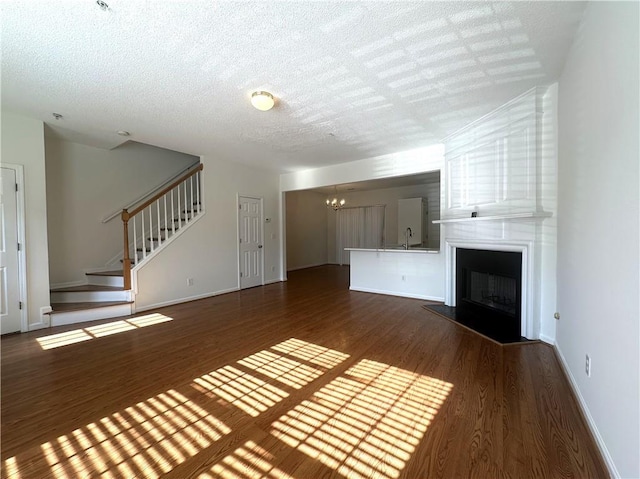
489	292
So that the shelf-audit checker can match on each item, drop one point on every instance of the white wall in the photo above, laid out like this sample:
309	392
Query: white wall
208	250
306	218
598	232
397	164
23	144
86	184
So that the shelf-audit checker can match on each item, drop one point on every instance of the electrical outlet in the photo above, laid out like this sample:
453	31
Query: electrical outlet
587	365
189	281
273	268
404	278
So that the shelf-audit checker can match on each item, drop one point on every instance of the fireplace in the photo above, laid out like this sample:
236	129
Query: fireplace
488	292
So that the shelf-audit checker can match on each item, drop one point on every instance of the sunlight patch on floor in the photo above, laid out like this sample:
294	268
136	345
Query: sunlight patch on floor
78	335
365	423
243	390
234	385
247	462
310	352
145	441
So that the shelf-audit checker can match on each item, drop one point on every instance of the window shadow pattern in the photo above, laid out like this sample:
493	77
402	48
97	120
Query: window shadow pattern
366	422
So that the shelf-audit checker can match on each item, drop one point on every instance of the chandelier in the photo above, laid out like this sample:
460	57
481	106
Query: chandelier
334	203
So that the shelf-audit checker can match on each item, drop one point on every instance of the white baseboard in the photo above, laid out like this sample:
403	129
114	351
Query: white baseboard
587	414
38	325
183	300
548	340
306	266
271	281
395	293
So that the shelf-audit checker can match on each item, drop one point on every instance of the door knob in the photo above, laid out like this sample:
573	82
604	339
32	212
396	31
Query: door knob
259	246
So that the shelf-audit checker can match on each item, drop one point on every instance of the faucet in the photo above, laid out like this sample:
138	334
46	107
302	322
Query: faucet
407	234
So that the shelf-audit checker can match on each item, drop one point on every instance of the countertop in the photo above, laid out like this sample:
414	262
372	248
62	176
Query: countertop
397	250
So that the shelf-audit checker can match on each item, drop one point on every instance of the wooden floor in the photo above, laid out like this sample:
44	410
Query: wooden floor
302	379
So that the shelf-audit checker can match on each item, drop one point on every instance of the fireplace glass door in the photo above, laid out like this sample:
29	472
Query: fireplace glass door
492	291
489	290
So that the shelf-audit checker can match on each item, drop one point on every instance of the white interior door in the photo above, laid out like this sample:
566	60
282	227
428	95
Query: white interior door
250	237
10	316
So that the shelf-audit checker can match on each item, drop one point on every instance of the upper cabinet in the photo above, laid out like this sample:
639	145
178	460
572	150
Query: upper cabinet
491	165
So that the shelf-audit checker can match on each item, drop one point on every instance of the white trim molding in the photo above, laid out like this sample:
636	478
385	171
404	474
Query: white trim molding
162	304
528	321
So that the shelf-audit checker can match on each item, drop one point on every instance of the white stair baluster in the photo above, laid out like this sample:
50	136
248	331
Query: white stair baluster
144	253
186	215
144	245
157	227
173	223
160	235
179	210
135	242
192	207
198	192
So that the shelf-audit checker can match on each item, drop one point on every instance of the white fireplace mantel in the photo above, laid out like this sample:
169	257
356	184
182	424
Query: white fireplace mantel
512	216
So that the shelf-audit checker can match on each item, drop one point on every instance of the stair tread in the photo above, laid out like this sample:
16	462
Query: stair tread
105	273
67	307
87	287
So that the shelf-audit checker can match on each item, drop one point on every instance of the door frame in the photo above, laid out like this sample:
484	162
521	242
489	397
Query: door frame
22	259
254	197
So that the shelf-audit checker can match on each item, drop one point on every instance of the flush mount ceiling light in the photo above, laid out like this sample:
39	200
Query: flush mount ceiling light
123	133
262	100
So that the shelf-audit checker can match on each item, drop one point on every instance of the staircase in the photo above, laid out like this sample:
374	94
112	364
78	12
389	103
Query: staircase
148	228
102	297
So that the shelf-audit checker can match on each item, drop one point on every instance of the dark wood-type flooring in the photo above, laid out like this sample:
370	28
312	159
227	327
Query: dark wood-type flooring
302	379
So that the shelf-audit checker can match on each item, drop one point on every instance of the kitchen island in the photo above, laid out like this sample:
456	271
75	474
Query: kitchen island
413	273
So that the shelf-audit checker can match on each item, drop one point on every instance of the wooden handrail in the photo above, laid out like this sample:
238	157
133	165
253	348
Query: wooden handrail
127	215
162	192
118	212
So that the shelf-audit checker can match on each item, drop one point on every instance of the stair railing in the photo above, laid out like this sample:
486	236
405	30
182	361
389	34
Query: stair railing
160	217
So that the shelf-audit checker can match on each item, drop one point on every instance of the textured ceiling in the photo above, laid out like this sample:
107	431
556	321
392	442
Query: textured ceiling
353	80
